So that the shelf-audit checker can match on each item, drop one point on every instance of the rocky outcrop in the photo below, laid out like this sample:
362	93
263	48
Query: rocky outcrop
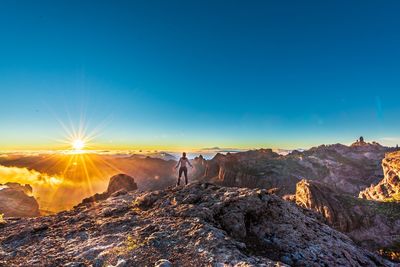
117	183
388	189
325	200
121	182
254	169
373	225
348	168
16	201
196	225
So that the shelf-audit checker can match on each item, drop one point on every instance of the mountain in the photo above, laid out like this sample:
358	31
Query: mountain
16	201
388	189
348	168
195	225
372	225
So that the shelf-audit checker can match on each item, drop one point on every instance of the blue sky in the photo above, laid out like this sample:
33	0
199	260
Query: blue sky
193	74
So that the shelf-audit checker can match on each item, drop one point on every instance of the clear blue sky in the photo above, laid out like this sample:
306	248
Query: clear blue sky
200	73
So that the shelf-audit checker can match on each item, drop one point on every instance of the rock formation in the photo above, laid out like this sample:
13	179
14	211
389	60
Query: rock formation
119	182
196	225
373	225
388	189
16	201
359	142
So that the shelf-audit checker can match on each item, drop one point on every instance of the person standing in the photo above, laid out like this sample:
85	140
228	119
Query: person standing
183	161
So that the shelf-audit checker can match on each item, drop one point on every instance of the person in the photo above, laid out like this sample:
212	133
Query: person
183	169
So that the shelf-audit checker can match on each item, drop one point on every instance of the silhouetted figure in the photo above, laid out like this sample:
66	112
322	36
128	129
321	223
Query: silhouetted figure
361	139
183	169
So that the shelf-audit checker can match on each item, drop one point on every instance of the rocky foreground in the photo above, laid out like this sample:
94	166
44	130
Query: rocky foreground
196	225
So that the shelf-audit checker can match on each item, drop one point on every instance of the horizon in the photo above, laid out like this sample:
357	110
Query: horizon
208	152
133	75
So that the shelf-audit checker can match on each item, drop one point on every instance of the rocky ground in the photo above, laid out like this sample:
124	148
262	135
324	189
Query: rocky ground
196	225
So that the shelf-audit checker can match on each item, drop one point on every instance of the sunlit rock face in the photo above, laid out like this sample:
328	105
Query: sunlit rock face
195	225
388	189
16	201
324	200
373	225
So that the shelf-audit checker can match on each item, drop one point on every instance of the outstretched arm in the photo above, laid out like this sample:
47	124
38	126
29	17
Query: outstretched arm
190	164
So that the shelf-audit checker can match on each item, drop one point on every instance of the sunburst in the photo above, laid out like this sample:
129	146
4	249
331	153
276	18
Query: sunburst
78	144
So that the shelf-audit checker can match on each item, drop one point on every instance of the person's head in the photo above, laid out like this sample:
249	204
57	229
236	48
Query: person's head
184	154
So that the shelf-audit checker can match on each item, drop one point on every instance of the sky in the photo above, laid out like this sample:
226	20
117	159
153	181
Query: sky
199	74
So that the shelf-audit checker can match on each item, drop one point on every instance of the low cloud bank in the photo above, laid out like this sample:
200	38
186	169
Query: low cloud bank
25	176
53	192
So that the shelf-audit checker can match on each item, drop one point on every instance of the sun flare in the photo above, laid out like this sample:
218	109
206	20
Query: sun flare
78	144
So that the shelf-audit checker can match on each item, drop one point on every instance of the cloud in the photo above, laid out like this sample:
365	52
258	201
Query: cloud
53	192
217	149
390	139
25	176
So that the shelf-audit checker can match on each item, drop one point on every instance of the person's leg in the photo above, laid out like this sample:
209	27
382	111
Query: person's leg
186	177
180	174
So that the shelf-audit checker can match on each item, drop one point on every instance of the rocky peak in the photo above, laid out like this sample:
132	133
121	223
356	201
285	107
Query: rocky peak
118	183
359	142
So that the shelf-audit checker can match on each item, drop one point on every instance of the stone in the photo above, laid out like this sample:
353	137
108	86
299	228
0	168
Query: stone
121	182
15	201
163	263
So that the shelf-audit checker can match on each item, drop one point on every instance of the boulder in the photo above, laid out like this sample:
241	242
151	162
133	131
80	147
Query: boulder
14	202
118	185
121	182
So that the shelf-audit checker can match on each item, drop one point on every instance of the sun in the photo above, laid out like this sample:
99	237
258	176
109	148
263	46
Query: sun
78	144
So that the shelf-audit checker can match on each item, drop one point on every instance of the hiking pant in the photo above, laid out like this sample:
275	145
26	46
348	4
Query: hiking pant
184	170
